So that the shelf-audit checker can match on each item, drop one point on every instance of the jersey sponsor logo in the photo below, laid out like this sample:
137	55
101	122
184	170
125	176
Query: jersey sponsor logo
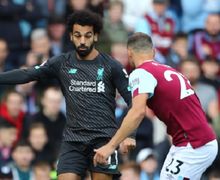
72	71
86	86
134	82
100	74
101	87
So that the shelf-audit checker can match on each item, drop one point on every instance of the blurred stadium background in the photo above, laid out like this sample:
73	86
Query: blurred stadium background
185	33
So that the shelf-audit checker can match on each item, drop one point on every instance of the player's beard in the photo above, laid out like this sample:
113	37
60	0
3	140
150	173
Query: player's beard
86	50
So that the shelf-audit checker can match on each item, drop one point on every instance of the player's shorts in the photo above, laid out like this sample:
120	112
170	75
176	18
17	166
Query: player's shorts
186	163
77	158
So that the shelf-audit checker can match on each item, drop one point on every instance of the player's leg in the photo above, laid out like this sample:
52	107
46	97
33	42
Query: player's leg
101	176
73	161
188	163
69	176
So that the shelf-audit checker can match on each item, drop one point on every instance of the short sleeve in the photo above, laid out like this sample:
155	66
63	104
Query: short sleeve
141	81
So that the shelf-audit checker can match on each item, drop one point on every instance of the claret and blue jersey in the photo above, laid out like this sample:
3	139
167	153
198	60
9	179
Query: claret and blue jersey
173	100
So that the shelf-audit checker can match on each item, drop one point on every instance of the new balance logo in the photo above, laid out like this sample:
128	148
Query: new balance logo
72	71
101	87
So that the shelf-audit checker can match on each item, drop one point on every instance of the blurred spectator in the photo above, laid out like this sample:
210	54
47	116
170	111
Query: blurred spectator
56	7
131	14
175	5
144	137
40	44
31	59
159	24
41	170
206	43
12	110
51	116
119	52
19	15
56	30
41	47
5	64
113	25
39	141
193	17
8	134
210	69
178	50
74	5
97	6
22	155
206	93
148	163
30	96
130	171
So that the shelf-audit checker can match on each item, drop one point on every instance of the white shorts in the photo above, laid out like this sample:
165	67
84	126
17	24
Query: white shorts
183	163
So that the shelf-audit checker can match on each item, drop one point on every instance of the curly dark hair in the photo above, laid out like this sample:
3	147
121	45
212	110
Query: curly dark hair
85	18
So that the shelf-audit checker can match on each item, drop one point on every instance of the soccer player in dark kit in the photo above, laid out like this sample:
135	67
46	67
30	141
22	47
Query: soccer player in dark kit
89	80
169	94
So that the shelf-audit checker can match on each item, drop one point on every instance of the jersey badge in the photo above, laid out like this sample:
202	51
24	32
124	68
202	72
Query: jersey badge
100	74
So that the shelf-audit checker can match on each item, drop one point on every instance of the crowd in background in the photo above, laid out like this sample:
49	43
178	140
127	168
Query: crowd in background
186	35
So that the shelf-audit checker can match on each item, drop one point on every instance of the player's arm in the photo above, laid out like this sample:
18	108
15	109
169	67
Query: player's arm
20	76
132	120
129	124
142	87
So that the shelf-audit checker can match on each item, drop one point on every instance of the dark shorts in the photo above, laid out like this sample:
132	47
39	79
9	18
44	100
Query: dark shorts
77	157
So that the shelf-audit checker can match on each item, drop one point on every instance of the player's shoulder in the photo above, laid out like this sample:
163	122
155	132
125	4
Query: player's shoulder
59	59
139	72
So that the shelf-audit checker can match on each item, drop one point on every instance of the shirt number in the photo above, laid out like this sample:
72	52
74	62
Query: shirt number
176	166
184	92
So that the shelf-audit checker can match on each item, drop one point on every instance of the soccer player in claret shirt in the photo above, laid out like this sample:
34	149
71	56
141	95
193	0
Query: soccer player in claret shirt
89	80
169	94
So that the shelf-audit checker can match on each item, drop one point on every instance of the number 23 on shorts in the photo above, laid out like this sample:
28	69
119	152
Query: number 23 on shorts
174	166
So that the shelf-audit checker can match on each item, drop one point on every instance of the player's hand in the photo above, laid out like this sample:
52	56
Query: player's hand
127	145
102	154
